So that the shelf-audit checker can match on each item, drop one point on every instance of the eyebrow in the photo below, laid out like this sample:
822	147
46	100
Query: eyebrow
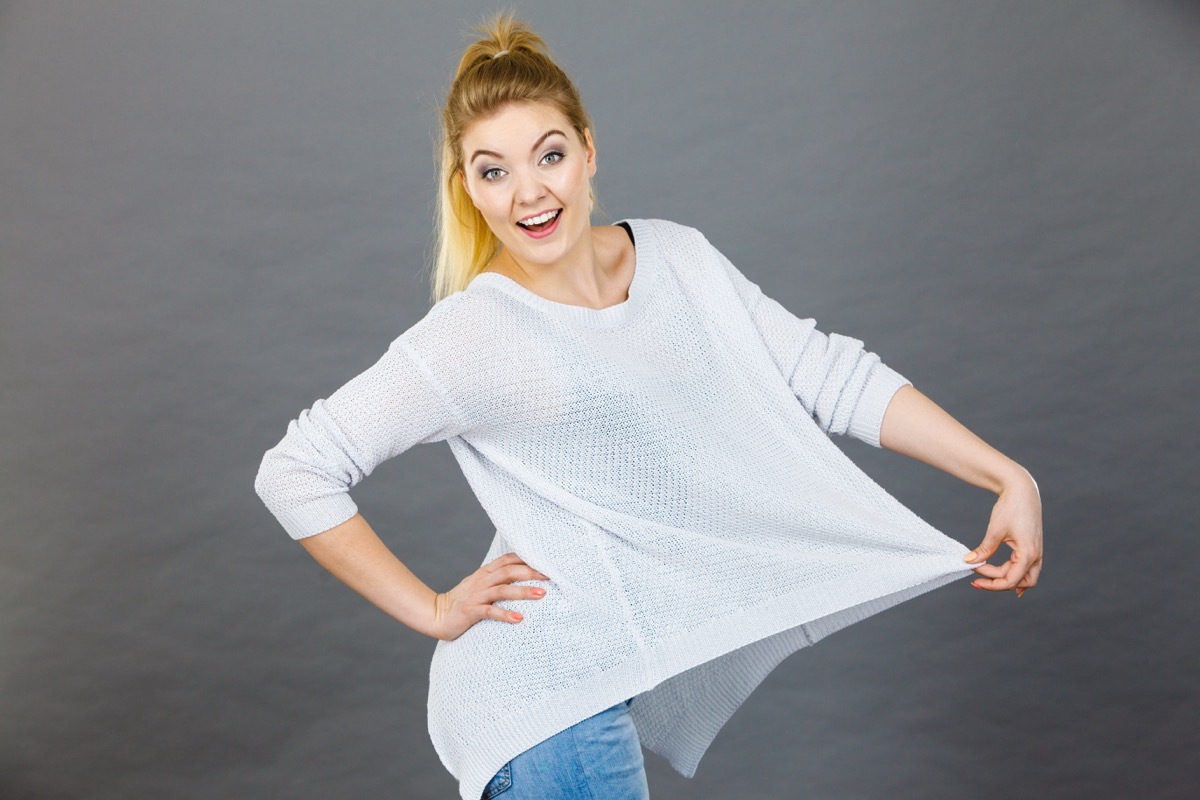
536	145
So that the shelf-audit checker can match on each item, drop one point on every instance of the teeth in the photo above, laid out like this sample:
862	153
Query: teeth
540	218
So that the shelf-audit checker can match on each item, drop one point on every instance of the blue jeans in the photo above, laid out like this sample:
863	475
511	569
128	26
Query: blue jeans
599	758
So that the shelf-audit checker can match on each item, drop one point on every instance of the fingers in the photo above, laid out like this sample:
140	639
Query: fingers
1018	567
992	584
474	598
1031	579
502	573
1013	574
992	570
503	561
1003	577
519	572
510	591
512	567
501	614
485	608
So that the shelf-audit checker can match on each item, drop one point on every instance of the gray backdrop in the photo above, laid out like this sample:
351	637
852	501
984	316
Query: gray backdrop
213	213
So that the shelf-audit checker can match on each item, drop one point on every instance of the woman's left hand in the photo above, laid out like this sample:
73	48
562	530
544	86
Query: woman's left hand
1016	521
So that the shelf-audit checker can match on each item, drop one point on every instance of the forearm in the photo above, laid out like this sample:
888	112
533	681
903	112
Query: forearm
354	553
915	426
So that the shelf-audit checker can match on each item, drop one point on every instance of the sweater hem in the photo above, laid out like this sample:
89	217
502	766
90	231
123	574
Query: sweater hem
699	704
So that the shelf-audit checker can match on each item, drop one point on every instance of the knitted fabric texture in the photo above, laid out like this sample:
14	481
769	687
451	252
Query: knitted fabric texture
666	461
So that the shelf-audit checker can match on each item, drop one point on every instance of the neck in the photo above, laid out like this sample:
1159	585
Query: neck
577	276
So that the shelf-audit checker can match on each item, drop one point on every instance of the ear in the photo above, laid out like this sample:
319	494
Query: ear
463	180
590	149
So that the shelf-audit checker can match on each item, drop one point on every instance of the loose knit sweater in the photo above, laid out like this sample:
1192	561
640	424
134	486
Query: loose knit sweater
666	461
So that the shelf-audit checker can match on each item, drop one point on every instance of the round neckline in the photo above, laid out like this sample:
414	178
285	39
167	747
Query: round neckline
643	268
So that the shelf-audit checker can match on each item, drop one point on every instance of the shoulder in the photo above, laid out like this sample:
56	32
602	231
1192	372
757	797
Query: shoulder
685	250
454	325
665	229
674	242
473	333
442	316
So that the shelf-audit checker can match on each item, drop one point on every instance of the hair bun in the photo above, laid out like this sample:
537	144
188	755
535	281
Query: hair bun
501	35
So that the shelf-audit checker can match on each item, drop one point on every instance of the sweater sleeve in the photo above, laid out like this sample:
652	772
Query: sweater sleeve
841	384
391	406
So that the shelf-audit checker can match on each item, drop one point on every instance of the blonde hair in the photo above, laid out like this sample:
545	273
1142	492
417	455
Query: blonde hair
510	64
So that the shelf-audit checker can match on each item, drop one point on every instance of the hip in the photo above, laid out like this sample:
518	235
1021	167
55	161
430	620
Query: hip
599	757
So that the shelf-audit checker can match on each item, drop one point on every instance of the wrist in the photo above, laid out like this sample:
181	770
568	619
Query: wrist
1015	478
423	615
439	611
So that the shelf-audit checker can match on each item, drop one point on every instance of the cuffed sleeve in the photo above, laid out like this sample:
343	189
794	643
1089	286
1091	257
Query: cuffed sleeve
394	404
867	419
843	386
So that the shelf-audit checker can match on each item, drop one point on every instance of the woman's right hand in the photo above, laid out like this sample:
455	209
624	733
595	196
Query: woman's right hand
458	609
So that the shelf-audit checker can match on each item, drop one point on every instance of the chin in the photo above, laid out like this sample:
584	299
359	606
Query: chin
551	249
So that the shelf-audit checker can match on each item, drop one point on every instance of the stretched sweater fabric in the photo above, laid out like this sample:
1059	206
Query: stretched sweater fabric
666	461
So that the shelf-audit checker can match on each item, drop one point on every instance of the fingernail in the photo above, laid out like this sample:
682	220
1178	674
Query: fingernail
518	615
539	591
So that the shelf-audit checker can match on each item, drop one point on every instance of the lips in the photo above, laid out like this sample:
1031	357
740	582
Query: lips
541	224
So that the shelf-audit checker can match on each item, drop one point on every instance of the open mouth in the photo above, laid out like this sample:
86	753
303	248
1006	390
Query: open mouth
542	223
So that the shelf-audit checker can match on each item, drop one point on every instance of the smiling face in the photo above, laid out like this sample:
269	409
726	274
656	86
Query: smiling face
527	171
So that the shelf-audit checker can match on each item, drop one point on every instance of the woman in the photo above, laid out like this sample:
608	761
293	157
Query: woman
650	435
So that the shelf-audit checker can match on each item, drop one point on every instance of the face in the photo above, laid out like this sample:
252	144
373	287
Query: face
527	171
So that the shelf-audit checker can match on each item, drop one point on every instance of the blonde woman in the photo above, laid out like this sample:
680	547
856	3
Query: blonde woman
649	434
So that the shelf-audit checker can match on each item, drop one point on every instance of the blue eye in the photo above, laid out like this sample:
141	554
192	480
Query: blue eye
491	174
553	157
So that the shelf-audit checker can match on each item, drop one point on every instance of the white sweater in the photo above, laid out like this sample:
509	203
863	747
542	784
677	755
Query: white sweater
666	461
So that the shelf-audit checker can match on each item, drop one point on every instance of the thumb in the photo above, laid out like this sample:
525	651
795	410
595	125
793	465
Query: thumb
991	541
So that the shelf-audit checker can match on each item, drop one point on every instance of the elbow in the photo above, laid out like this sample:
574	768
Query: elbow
264	478
854	393
838	400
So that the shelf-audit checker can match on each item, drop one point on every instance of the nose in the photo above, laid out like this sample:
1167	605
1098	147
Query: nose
529	188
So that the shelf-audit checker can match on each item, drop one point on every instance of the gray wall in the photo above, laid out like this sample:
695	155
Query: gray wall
213	213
